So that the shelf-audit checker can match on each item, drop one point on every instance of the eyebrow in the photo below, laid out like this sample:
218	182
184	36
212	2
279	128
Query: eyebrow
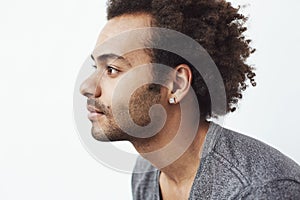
105	57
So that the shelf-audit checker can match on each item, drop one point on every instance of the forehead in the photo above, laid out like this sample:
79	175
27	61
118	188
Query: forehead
125	36
123	23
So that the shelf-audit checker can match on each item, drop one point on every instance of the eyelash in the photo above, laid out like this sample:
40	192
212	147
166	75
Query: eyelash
112	68
108	67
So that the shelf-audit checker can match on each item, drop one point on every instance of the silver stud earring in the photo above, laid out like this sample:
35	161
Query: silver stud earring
172	100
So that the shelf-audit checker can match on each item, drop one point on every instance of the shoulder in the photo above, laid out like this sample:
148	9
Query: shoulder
256	162
275	189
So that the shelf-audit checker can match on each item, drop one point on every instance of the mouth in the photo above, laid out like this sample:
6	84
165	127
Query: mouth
94	113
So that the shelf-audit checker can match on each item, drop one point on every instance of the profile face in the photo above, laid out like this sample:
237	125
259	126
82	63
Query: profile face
110	68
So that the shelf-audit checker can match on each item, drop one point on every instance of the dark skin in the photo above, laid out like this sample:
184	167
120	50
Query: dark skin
177	178
217	26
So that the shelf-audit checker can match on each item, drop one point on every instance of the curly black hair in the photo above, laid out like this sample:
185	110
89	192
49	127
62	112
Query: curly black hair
216	25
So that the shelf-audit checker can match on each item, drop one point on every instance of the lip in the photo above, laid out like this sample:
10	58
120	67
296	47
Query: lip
93	116
94	113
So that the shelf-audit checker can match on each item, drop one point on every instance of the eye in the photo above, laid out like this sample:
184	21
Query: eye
111	70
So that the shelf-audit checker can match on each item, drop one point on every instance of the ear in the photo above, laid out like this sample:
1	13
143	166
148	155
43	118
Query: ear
182	81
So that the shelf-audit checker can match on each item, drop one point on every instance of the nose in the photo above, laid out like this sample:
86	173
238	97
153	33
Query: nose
91	86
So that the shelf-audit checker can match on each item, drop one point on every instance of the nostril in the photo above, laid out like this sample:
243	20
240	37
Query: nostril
83	89
91	87
87	87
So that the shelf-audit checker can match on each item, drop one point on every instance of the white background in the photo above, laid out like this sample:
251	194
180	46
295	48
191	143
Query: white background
42	47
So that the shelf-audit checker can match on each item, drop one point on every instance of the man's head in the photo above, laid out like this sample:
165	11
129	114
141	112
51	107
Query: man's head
110	68
213	24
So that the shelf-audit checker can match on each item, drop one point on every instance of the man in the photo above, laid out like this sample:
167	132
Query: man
209	162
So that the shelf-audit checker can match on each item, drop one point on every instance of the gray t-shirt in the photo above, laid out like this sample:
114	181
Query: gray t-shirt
233	166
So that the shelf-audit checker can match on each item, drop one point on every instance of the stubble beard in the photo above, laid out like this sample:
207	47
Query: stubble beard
109	132
140	103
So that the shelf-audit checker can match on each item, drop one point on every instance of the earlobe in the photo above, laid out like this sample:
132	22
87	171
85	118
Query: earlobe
181	83
172	100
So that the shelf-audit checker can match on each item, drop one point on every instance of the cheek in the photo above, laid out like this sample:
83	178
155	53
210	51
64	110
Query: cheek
107	91
140	104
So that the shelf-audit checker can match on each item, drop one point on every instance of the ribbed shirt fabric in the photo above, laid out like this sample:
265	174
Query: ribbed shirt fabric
232	166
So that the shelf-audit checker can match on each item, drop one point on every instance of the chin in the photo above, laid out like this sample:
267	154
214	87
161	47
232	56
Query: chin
108	136
100	137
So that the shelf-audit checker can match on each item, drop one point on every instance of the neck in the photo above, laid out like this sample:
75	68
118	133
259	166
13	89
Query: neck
184	167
